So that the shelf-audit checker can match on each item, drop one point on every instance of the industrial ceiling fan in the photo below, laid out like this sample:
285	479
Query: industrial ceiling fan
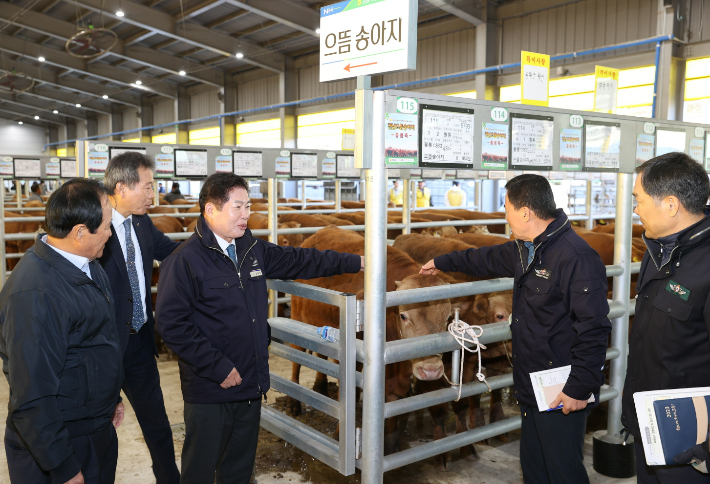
90	42
15	82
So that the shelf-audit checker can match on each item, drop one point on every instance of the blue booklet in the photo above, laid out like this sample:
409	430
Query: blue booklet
682	424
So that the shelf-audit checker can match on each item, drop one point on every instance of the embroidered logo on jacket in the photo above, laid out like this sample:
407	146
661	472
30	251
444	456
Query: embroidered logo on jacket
678	290
544	273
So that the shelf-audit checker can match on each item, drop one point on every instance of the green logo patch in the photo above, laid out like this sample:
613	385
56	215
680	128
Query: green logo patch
678	290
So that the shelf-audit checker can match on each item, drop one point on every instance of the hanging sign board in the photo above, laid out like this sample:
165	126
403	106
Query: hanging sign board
494	146
348	143
401	140
531	142
571	149
52	170
446	137
247	163
697	149
164	165
223	164
365	37
602	146
644	148
97	163
669	141
68	168
304	165
606	86
345	167
534	78
190	163
28	168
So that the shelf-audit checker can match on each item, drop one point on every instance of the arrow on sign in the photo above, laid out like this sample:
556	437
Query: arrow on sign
348	67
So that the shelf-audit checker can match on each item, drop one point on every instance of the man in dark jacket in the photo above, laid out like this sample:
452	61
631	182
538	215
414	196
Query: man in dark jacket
175	194
60	349
559	319
669	346
212	312
128	262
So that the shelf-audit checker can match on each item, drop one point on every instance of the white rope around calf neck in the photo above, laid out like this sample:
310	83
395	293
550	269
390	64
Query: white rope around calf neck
465	333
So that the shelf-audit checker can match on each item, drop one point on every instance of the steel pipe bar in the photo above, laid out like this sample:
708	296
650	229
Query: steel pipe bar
313	399
309	361
320	294
304	335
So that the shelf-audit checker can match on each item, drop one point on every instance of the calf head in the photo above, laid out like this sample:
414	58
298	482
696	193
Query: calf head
495	307
421	319
294	240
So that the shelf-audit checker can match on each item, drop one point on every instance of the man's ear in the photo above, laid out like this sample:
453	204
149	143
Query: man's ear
673	204
78	232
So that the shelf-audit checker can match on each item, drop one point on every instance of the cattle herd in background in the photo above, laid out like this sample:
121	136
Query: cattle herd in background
404	258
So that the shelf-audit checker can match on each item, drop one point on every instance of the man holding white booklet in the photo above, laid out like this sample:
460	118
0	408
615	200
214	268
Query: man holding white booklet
669	346
559	320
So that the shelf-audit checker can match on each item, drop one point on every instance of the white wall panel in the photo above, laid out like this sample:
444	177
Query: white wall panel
258	93
204	104
164	112
131	121
579	26
21	140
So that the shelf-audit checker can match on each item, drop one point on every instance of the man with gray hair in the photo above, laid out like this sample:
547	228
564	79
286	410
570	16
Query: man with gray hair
128	261
669	346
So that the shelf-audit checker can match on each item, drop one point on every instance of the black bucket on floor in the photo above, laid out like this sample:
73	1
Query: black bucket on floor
611	457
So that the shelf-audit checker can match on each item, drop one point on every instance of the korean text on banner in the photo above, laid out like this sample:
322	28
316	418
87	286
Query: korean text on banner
606	86
364	37
534	78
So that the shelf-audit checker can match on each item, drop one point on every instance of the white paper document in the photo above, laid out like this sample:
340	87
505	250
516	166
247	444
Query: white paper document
645	411
547	384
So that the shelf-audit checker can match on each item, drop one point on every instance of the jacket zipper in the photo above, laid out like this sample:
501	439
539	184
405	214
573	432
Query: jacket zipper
535	247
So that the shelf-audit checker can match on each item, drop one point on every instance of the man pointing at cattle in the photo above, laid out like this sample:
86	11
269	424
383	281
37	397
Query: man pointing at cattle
559	319
213	314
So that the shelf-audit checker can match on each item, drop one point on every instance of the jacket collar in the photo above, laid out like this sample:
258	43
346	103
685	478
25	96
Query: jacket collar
554	229
58	262
207	237
686	240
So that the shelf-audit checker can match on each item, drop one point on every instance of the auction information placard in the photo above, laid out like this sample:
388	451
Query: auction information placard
494	146
304	165
446	137
602	145
28	168
531	141
401	143
191	162
247	163
570	149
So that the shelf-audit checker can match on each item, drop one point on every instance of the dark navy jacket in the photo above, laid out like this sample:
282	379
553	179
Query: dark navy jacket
60	355
213	315
559	306
669	342
154	246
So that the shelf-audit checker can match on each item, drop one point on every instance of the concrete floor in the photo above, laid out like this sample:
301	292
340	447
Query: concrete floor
497	463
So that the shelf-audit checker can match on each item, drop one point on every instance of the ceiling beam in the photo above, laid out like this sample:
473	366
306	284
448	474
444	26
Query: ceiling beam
45	24
199	9
197	35
287	12
464	11
13	118
85	88
39	105
104	72
227	18
26	117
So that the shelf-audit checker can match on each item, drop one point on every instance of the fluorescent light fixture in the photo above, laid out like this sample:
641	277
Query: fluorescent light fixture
105	96
36	117
120	13
318	31
20	122
239	55
41	59
182	73
78	105
138	83
55	111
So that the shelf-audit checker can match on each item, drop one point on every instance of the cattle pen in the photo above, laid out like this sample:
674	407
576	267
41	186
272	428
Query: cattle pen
361	445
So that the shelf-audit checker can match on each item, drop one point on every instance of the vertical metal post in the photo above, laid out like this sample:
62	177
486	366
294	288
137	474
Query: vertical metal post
590	215
406	207
375	294
156	198
338	196
303	194
456	357
273	223
18	192
346	383
413	191
620	326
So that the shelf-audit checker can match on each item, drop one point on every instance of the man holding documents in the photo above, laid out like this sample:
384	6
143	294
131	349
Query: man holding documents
559	320
669	346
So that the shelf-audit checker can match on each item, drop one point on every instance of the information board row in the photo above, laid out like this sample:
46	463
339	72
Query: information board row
37	167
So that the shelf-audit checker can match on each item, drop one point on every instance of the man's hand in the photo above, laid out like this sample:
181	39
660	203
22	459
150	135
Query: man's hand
429	269
232	379
77	479
697	456
569	403
118	416
362	263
